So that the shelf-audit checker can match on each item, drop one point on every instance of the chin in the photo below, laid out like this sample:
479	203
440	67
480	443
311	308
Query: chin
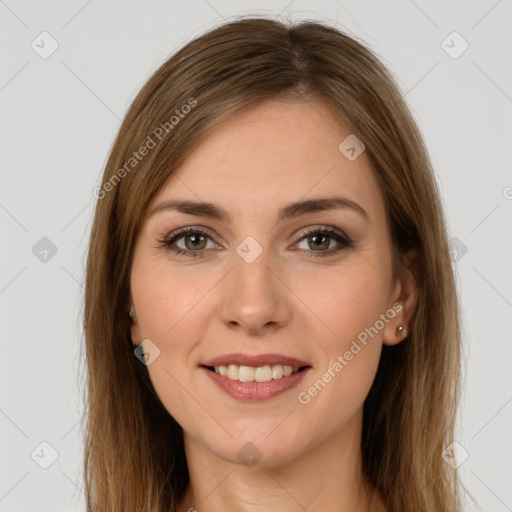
257	446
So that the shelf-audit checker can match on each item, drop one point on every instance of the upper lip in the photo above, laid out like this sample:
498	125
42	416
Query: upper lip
255	360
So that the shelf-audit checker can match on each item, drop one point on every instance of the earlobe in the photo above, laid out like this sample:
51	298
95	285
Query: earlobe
397	328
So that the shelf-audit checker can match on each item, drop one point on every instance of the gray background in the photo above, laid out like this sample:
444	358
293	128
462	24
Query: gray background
60	115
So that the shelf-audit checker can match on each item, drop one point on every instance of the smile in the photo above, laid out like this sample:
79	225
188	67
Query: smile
259	374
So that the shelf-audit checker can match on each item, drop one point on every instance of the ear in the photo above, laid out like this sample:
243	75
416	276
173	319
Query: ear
134	327
403	300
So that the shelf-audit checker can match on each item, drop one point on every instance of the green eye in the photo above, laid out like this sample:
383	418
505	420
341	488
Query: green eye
196	241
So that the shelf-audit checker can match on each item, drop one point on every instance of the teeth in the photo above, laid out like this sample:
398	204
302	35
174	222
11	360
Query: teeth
277	371
233	372
263	374
259	374
246	374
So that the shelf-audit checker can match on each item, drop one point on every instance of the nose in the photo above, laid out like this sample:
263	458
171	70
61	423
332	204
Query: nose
254	298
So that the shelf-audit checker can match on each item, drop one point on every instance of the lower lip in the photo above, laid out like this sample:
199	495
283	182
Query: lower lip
256	391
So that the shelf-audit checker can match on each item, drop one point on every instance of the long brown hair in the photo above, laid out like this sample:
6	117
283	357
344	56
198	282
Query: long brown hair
134	455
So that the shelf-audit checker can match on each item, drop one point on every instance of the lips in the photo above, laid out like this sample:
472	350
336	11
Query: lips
255	360
287	373
255	391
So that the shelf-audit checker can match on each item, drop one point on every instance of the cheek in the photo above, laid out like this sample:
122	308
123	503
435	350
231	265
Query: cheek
172	307
350	304
347	301
338	388
167	298
166	304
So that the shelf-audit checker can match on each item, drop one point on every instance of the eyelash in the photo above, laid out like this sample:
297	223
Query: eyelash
344	241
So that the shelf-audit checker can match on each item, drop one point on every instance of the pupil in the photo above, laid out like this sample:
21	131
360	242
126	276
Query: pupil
317	238
196	239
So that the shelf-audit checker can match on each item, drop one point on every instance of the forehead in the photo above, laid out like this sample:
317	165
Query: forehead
270	154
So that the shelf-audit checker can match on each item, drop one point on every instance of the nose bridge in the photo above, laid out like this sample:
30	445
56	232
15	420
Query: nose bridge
253	296
251	274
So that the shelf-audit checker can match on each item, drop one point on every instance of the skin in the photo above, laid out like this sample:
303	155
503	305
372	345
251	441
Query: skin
194	309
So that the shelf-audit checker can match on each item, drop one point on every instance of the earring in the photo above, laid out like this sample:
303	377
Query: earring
132	311
400	331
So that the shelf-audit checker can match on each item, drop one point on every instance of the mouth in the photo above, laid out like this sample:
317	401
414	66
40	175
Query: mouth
255	378
266	373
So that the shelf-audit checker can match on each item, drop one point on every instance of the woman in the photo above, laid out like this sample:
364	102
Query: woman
271	318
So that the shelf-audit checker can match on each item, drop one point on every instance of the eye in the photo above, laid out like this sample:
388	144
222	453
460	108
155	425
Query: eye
195	240
318	239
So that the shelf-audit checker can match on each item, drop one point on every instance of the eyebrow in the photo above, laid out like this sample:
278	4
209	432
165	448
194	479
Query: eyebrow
295	209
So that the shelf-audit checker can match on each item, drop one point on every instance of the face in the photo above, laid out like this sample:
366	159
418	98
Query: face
265	285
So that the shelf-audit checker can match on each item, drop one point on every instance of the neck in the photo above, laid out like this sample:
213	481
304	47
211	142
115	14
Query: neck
323	477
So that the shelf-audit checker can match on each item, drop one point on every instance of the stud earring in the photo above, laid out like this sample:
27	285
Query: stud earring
132	311
400	331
